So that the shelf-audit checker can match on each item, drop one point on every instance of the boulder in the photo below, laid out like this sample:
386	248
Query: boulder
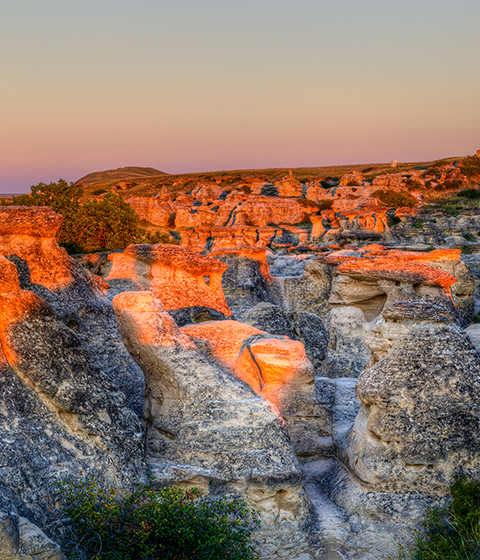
277	369
419	422
62	419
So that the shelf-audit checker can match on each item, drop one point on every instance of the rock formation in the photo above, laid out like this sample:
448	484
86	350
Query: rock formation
199	416
187	283
419	420
27	238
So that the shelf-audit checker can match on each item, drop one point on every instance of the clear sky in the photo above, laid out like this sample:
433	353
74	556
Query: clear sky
197	85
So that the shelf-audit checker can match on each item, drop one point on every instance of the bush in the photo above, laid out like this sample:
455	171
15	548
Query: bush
325	204
469	193
98	192
470	166
269	190
396	199
453	184
306	202
452	533
246	189
393	221
353	183
469	237
95	225
168	524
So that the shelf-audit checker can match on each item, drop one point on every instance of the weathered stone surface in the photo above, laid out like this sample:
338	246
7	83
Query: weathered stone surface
76	295
277	369
198	415
347	352
179	277
61	419
419	420
303	326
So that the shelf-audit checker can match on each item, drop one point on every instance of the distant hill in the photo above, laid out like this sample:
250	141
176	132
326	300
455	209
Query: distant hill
120	174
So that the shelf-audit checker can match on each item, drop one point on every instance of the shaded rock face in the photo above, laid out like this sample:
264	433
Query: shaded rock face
419	420
179	277
61	418
277	369
247	280
198	416
27	238
347	351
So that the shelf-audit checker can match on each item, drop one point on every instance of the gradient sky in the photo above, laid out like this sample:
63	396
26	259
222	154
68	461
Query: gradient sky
197	85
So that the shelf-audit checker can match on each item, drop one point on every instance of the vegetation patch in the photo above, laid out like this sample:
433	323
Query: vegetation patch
396	199
306	202
452	533
95	225
470	167
146	524
325	204
269	190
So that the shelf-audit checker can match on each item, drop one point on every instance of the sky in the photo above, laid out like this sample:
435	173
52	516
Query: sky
208	85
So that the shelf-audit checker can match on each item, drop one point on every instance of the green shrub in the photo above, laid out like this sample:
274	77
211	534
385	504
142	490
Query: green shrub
470	166
246	189
452	533
393	221
95	225
325	204
418	224
353	183
396	199
453	184
269	190
469	237
469	193
98	192
168	524
306	202
413	184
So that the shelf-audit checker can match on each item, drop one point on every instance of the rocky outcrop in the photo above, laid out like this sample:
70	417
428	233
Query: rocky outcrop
27	238
61	419
199	416
347	351
183	280
418	423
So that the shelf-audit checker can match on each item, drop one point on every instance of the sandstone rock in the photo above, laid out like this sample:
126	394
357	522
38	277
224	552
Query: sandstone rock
61	419
276	368
303	326
27	238
247	281
347	351
418	423
198	415
179	277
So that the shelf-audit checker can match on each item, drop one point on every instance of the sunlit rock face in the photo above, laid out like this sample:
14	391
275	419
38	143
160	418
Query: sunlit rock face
372	278
61	418
27	238
277	369
202	418
180	278
419	420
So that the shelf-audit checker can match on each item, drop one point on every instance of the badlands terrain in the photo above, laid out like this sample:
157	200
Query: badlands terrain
307	341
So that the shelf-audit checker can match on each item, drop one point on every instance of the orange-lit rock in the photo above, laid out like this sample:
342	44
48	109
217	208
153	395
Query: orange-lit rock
29	233
178	277
289	186
276	368
396	269
8	276
155	210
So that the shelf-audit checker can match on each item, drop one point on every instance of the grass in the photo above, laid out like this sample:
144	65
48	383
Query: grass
452	533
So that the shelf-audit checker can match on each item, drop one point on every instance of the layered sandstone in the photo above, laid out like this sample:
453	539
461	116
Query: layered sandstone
178	277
